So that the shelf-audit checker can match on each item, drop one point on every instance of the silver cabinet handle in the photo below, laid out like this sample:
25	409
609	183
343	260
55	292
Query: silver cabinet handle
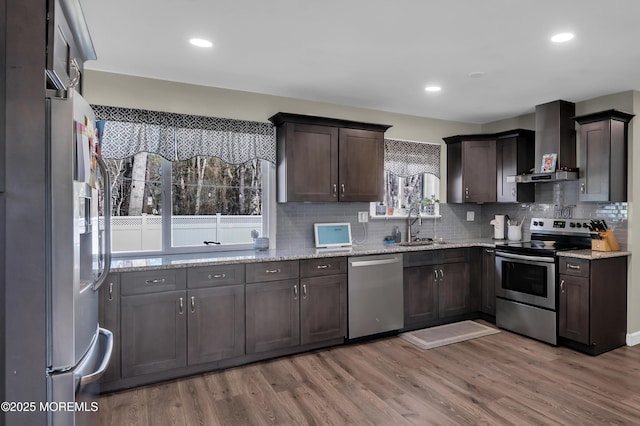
295	292
562	286
156	281
181	306
335	189
304	291
435	274
272	271
441	274
193	304
323	266
73	65
489	251
110	291
582	188
216	276
572	266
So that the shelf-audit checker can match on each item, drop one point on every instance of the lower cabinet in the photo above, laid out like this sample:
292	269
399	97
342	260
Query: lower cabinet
438	285
284	313
172	326
592	303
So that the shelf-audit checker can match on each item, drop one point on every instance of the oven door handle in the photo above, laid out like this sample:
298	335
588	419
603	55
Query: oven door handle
514	256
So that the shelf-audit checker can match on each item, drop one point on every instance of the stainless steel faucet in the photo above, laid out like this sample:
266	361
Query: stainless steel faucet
410	222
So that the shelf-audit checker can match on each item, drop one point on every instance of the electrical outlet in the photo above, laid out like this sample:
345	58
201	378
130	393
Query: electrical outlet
471	216
363	217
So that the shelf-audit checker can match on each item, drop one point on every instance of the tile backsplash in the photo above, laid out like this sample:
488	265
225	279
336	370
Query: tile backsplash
295	220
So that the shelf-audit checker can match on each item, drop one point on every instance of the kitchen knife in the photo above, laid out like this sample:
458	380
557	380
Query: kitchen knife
604	225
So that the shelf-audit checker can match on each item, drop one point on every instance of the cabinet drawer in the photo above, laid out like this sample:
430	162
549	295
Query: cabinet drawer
576	267
153	281
210	276
323	266
454	255
271	271
421	258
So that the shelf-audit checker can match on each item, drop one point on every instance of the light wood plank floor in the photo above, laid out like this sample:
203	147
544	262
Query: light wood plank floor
498	379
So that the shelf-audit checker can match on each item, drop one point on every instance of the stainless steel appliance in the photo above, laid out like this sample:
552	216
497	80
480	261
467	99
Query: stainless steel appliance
526	276
376	302
78	350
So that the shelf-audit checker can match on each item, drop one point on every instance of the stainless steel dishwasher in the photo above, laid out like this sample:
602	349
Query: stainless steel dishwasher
375	294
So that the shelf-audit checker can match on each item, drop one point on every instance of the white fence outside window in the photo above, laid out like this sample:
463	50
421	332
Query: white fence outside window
143	233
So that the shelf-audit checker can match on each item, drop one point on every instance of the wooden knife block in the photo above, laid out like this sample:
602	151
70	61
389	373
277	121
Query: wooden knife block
607	242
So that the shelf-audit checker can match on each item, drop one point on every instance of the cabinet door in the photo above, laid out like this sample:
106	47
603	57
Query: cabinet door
454	290
420	297
109	318
478	171
595	161
309	155
488	282
361	165
215	328
323	308
153	332
573	308
272	316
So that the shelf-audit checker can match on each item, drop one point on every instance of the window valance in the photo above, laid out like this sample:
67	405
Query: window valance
405	158
125	132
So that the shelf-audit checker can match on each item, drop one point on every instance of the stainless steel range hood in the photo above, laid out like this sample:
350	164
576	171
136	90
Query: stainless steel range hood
555	134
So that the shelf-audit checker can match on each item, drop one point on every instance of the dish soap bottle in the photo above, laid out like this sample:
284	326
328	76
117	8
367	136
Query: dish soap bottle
397	236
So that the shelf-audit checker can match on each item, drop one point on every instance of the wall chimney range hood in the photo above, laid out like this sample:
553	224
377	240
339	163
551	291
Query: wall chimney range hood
555	134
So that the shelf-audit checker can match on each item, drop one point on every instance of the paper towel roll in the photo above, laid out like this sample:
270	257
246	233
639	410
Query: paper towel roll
498	227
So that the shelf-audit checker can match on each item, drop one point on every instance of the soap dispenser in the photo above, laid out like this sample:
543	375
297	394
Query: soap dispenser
397	236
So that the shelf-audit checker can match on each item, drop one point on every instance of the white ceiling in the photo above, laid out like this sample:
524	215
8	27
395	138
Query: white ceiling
380	54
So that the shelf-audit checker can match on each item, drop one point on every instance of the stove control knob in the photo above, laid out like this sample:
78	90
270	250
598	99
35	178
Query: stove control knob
535	223
541	223
584	225
573	225
579	225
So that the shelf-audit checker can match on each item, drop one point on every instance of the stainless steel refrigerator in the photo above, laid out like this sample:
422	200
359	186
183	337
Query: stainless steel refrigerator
78	254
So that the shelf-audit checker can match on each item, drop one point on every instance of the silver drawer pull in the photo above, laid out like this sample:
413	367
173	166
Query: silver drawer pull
156	281
323	266
181	306
304	291
562	286
295	292
272	271
210	276
193	304
110	291
571	266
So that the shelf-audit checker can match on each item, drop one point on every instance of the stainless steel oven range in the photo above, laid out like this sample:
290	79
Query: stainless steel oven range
526	276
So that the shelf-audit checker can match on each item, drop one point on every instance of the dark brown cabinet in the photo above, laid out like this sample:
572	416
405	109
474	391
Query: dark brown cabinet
323	306
437	286
471	169
592	307
272	306
215	324
174	319
284	311
488	291
328	160
514	156
603	156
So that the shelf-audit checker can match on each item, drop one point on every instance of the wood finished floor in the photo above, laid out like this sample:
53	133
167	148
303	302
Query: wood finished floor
493	380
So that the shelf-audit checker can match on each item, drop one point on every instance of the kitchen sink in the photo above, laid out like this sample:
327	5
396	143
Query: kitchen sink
415	243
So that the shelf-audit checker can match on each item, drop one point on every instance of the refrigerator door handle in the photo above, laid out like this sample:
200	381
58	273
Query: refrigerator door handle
107	225
104	363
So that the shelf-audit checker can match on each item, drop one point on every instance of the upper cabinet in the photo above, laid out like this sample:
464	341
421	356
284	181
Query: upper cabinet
603	155
471	169
69	45
328	160
514	156
482	168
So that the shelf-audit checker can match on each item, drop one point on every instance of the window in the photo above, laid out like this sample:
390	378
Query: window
209	204
186	183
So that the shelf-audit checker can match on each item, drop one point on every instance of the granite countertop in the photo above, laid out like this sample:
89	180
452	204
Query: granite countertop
142	263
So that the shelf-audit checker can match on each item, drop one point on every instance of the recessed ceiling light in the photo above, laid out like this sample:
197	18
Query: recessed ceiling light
476	74
562	37
200	42
433	88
